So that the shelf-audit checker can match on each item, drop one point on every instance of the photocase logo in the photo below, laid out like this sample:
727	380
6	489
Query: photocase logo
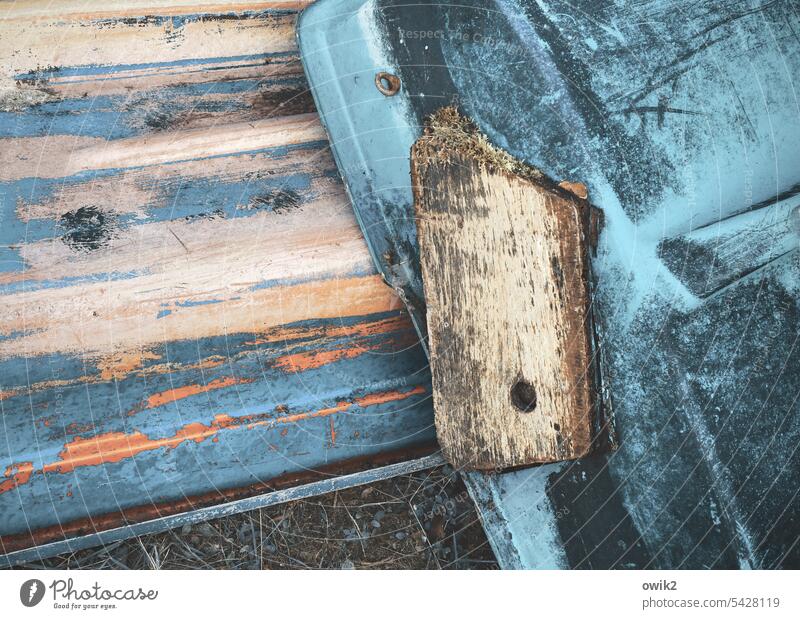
31	592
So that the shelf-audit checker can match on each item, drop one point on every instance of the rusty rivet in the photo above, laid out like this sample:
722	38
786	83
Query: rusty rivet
579	189
387	83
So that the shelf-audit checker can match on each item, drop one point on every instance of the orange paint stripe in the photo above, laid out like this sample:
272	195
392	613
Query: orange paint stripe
308	360
302	361
366	328
179	393
119	365
16	475
378	398
117	446
119	372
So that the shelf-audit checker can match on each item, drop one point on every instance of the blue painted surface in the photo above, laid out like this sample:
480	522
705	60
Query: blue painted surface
97	435
683	122
233	457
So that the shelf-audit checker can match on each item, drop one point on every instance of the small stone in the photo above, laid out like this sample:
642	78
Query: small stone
347	564
379	515
400	535
186	529
375	524
270	548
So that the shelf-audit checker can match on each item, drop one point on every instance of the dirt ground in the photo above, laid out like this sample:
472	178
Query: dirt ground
421	521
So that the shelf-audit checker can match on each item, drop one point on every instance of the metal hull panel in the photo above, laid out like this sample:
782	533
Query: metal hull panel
189	312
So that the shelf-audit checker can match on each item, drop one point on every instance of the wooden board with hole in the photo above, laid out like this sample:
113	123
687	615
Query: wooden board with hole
505	265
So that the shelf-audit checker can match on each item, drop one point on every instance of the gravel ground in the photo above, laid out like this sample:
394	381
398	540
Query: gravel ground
421	521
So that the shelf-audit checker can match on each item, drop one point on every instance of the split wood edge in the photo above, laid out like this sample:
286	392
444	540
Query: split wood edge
506	269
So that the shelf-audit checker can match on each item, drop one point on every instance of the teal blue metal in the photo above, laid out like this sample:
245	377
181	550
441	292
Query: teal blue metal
683	121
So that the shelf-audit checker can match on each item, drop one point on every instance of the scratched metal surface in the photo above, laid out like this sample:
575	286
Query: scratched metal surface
683	120
189	311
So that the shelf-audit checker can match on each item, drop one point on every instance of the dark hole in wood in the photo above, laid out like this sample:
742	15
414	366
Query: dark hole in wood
387	83
523	396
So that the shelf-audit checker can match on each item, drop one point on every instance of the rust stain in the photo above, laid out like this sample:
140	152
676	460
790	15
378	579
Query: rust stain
117	446
333	433
179	393
16	475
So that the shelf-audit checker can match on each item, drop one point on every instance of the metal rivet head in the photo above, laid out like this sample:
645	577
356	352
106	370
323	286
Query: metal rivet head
387	83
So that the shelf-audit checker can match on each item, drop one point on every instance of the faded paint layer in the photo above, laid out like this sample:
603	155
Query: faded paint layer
188	305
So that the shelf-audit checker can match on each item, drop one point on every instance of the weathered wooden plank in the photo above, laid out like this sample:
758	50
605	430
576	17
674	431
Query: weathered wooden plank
505	266
56	158
138	37
99	9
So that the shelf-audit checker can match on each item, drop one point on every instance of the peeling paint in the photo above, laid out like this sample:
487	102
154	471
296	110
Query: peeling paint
179	393
117	446
16	475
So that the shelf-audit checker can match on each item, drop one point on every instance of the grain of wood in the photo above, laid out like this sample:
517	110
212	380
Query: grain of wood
505	269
